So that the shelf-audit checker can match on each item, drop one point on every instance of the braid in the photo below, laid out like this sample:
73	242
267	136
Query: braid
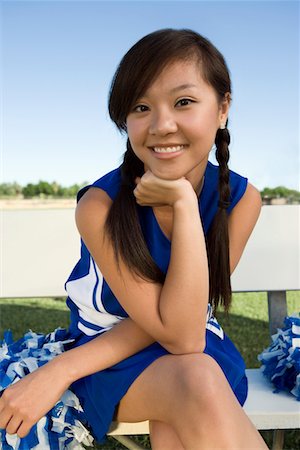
218	238
123	226
222	142
131	168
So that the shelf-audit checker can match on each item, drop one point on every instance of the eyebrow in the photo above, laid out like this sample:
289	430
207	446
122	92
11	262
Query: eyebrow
178	88
182	86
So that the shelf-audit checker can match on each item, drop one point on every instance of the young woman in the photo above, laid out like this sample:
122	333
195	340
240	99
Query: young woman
161	235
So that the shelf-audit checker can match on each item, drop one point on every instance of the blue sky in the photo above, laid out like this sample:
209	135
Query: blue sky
58	59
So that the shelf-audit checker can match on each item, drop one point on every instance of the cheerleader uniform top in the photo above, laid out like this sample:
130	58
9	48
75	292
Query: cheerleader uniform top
95	309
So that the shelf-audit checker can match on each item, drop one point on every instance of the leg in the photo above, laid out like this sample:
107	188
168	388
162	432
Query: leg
164	437
191	393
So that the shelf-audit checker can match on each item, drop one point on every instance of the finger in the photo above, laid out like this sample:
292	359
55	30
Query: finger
24	429
5	418
137	192
13	425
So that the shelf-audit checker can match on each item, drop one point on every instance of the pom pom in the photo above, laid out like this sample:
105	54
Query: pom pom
63	426
281	361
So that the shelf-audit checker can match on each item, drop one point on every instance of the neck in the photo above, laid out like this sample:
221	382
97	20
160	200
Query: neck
200	186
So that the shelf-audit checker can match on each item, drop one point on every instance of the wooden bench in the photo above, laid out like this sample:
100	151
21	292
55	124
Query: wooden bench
40	247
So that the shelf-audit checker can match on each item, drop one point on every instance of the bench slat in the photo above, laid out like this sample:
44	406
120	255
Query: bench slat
267	410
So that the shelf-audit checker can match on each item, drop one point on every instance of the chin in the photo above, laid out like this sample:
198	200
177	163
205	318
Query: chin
165	175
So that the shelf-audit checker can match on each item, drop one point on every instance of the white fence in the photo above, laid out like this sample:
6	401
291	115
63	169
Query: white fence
49	238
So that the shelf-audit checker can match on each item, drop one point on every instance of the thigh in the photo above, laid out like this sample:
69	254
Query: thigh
165	387
146	397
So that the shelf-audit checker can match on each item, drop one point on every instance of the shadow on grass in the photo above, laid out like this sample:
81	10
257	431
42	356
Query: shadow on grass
250	336
20	319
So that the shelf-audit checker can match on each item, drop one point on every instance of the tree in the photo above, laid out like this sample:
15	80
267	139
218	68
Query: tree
44	188
30	190
10	189
291	195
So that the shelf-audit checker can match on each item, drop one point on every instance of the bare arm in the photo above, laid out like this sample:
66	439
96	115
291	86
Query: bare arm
127	338
181	302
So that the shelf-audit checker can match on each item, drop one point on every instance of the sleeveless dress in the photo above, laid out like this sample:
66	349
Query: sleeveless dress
94	309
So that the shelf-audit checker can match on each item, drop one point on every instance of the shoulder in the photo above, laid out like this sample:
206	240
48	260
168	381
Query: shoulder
243	212
238	184
245	201
252	195
95	200
241	222
110	183
250	202
242	193
91	211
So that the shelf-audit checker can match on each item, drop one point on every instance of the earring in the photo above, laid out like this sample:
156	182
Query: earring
222	126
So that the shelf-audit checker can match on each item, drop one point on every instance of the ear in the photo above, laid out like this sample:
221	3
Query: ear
224	108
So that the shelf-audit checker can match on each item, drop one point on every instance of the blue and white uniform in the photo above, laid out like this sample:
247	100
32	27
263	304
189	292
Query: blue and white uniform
95	309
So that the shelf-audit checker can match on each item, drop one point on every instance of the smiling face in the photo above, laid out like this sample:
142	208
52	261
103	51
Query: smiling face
172	127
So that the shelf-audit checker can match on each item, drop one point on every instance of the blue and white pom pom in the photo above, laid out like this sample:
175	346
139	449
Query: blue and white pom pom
63	426
281	361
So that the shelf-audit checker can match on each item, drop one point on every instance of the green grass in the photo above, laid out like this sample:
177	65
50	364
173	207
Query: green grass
247	326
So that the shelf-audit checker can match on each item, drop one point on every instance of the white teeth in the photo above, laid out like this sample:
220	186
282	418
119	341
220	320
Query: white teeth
168	149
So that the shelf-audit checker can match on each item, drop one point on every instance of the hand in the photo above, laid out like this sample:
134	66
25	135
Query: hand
153	191
24	403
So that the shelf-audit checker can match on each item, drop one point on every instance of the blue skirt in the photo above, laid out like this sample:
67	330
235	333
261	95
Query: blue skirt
71	421
101	392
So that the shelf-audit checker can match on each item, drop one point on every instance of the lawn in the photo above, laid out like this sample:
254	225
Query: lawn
247	326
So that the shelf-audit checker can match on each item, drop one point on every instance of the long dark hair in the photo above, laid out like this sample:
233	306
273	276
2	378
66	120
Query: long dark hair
154	52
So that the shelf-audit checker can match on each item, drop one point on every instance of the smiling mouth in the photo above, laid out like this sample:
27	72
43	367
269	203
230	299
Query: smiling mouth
172	149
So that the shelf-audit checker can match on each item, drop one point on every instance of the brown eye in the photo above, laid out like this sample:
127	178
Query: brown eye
139	106
184	101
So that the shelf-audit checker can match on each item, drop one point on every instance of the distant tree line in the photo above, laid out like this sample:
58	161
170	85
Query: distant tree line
43	189
291	195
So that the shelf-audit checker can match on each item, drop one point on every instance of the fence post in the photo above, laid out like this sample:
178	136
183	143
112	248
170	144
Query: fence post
277	309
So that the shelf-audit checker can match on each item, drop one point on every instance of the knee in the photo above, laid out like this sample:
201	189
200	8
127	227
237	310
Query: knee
200	377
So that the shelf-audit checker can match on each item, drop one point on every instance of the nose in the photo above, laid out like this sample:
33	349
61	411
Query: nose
162	123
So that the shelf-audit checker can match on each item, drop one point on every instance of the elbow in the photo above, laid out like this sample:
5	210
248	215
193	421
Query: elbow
184	348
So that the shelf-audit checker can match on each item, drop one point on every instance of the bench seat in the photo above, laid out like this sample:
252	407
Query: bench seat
268	410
